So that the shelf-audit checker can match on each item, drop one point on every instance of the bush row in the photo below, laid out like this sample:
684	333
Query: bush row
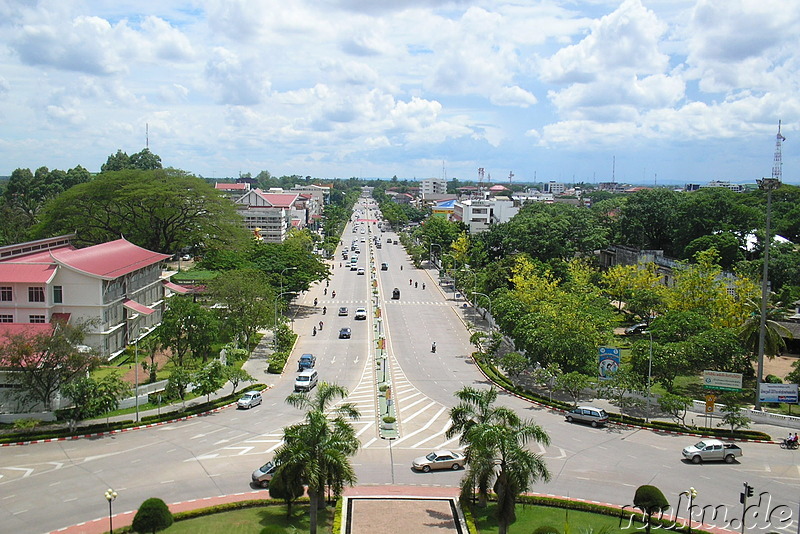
503	382
277	361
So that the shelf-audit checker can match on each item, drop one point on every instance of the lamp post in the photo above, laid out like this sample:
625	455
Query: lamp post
430	252
768	185
649	376
691	493
110	496
487	298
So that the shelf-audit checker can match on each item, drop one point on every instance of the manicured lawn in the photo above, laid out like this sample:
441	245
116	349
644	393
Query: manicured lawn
263	520
530	517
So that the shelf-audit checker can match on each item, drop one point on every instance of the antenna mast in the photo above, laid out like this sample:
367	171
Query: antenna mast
510	176
777	164
480	180
147	136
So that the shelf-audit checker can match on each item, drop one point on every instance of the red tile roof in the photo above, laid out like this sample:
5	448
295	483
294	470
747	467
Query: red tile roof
26	273
278	200
9	330
108	260
231	187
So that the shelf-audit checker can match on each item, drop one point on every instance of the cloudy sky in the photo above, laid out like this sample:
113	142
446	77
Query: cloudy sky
656	91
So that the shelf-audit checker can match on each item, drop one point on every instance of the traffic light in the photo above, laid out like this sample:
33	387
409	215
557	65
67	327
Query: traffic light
748	489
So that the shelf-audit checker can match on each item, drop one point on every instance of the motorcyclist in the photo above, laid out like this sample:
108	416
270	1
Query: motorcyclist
333	294
315	302
314	331
324	310
433	347
423	285
320	325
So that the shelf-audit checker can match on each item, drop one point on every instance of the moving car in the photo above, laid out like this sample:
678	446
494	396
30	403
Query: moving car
587	414
384	266
263	474
712	450
306	380
636	329
443	459
344	333
361	314
307	361
343	311
360	270
248	400
395	294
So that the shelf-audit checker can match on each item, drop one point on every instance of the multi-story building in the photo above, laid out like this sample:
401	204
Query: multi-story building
116	286
554	187
270	215
478	215
232	191
433	186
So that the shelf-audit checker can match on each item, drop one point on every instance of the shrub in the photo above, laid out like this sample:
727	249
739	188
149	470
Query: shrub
26	424
389	419
153	515
650	500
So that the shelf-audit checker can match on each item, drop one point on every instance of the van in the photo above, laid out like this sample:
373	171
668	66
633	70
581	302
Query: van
306	380
587	414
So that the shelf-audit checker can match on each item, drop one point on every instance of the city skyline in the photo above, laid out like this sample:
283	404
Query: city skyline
648	92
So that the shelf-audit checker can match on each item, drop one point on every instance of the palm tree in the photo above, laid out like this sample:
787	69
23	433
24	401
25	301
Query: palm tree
496	437
476	407
318	449
774	331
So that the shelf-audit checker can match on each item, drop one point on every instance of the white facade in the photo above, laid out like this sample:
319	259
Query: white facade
555	188
478	215
433	186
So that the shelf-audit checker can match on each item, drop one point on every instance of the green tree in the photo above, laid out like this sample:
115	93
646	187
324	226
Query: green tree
496	436
573	384
675	406
145	160
44	362
177	383
83	394
318	449
649	220
732	413
514	363
164	210
650	500
678	325
236	375
287	484
116	162
153	516
176	324
209	379
620	386
249	301
669	360
749	332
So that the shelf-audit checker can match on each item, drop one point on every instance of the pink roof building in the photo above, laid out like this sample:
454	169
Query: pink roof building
118	286
270	215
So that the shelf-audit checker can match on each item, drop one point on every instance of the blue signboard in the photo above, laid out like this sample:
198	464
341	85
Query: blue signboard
608	361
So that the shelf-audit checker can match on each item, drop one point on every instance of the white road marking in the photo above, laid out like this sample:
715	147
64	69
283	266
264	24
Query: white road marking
26	470
423	428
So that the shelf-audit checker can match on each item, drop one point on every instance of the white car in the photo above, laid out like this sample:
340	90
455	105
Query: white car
360	270
249	399
361	314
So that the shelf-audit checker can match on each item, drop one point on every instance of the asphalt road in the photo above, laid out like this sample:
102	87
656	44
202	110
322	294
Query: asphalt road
47	486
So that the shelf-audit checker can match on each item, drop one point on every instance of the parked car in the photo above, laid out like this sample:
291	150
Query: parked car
343	311
344	333
636	329
712	450
587	414
263	474
248	400
361	314
443	459
307	361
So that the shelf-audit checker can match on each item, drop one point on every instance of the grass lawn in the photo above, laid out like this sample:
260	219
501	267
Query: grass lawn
530	517
263	520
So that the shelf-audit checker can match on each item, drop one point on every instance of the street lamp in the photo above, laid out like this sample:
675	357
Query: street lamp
110	496
430	252
649	376
691	493
487	298
768	185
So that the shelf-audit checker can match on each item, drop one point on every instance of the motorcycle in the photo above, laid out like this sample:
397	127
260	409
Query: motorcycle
786	444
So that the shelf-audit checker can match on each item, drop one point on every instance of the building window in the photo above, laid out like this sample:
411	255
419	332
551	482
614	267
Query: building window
36	318
6	318
58	294
35	294
6	294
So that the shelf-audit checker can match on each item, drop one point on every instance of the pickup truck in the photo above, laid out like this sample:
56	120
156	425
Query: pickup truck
710	450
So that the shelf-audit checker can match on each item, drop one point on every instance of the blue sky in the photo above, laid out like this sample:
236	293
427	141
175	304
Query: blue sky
673	91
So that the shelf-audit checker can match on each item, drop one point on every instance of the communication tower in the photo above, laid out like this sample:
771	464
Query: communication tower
777	164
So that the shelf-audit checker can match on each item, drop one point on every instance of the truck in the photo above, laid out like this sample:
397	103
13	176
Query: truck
711	450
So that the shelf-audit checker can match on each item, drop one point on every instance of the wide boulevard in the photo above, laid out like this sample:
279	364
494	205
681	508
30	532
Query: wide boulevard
46	486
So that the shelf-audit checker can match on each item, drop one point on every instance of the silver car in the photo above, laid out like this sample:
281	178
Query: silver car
249	399
263	474
439	460
587	414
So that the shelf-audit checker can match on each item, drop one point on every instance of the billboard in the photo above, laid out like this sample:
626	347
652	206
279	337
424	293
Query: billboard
722	380
608	361
777	393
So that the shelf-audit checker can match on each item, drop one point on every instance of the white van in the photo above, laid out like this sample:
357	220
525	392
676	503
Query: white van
306	380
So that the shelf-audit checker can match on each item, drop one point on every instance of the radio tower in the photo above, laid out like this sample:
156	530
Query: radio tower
510	176
777	164
480	181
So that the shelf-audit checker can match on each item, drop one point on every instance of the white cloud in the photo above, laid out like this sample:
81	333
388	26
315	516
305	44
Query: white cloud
235	83
513	96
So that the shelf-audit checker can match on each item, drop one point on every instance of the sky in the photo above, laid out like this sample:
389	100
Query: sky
638	91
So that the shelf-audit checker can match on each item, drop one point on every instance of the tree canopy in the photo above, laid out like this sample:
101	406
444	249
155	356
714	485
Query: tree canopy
161	210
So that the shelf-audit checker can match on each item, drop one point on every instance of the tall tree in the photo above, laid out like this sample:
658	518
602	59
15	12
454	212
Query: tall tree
248	299
161	210
145	160
750	330
116	162
42	363
648	220
318	449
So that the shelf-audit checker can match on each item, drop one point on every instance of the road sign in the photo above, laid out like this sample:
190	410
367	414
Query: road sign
722	380
710	400
778	393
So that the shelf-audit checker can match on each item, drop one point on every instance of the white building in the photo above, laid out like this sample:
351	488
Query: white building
556	188
478	215
433	186
270	215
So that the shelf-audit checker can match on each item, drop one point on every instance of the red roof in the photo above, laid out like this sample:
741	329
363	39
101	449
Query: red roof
109	260
498	187
233	187
26	273
8	330
175	287
278	200
139	308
